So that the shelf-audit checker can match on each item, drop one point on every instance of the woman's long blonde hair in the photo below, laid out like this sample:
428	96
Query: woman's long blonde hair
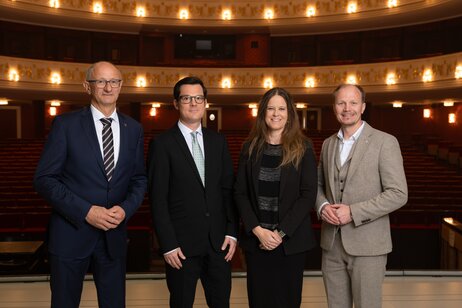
292	139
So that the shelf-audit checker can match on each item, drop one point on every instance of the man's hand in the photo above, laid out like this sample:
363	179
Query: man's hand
174	258
118	213
329	214
269	240
232	247
102	218
343	213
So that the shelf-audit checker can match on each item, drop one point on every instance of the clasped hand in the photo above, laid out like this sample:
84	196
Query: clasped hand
269	240
336	214
105	219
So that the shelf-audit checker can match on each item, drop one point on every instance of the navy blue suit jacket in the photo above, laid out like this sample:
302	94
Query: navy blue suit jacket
70	176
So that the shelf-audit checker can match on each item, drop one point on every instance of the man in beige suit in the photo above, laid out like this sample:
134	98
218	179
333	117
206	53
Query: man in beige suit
361	180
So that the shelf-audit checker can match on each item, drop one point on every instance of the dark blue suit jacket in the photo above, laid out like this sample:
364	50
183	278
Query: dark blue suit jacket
71	177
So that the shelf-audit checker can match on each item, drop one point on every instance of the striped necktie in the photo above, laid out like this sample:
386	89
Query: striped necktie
108	148
198	157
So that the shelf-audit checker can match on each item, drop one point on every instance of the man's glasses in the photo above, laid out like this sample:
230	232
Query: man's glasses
187	99
101	83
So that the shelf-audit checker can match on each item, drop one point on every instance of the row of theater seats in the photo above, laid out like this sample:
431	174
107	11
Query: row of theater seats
435	189
446	151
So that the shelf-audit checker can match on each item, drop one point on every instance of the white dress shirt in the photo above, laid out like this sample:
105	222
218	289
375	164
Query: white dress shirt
346	145
186	131
115	125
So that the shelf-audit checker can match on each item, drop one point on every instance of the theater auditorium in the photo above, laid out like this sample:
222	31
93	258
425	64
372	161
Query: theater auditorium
406	54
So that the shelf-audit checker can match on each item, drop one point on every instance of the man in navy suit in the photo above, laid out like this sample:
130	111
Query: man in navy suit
92	174
191	180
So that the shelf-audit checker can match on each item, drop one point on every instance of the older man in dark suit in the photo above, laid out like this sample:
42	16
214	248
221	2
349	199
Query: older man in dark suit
92	174
190	183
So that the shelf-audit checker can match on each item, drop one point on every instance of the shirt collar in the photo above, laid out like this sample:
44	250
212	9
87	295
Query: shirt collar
97	115
186	130
355	135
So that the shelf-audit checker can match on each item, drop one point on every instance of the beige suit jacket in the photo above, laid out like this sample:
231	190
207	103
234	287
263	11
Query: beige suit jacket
375	186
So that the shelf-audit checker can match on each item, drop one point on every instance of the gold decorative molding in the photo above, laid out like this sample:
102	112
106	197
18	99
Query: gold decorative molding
35	74
213	9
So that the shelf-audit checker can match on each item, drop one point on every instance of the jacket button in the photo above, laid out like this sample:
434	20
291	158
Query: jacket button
207	214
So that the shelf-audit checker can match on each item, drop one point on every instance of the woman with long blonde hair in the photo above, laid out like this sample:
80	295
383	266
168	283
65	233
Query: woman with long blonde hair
275	191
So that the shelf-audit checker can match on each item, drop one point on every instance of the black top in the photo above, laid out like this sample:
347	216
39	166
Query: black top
268	186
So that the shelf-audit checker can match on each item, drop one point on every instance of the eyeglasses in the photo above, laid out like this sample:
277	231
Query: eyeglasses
101	83
187	99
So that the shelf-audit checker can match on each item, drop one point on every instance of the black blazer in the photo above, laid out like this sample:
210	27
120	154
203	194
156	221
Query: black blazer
297	195
71	177
184	213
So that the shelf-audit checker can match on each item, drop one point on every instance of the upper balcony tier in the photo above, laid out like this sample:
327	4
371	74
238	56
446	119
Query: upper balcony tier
272	16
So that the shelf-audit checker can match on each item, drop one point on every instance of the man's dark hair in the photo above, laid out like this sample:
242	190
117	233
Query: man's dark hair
188	80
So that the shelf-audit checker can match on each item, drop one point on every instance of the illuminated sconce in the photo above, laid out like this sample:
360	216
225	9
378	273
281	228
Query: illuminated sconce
54	4
392	3
52	111
448	103
269	14
427	113
391	79
254	109
309	82
140	11
427	75
351	79
153	110
184	14
352	7
226	15
226	83
397	105
97	7
452	118
3	102
458	72
212	117
13	75
310	11
55	103
268	83
449	220
300	106
55	78
141	82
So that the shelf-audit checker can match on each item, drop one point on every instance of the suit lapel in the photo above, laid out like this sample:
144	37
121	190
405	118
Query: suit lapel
208	156
254	170
179	138
283	179
90	131
332	150
123	144
358	151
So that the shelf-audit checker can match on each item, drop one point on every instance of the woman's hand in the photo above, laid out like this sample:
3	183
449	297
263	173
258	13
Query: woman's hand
269	240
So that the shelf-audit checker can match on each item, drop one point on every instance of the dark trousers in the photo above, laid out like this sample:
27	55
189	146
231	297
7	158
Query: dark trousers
214	273
67	275
274	279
